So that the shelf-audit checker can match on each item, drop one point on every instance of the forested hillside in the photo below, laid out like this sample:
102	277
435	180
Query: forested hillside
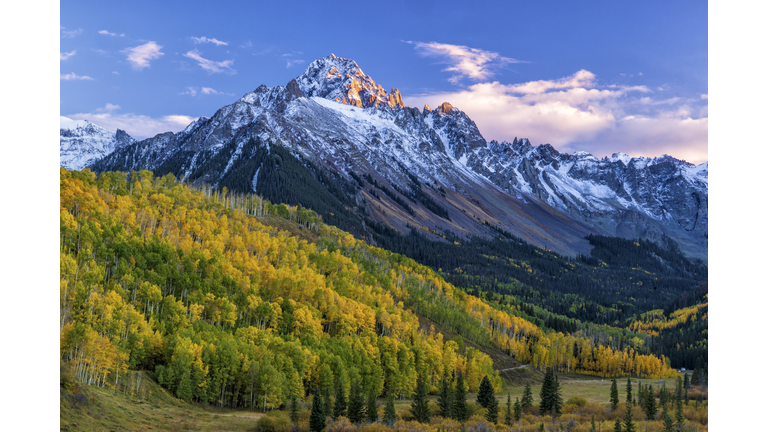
193	285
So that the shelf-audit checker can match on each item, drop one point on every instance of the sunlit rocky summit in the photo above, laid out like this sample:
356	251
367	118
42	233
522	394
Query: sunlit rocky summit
343	121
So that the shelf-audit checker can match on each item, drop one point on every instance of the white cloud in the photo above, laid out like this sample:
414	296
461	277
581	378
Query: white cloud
108	108
104	32
66	56
140	56
210	65
73	77
291	63
190	91
203	39
136	125
705	96
193	91
70	33
208	90
466	62
576	113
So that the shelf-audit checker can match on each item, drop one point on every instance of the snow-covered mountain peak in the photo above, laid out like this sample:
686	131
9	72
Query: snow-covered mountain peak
341	80
83	143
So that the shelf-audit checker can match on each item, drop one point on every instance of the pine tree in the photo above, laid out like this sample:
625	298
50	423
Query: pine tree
593	427
629	391
390	416
545	394
327	403
419	404
317	417
460	407
445	399
679	392
687	381
614	395
355	407
650	404
527	400
541	428
508	413
485	392
629	420
669	424
679	417
294	409
492	415
372	410
617	426
518	409
340	405
686	396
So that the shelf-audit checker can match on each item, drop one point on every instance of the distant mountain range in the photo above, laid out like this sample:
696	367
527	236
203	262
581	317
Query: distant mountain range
408	168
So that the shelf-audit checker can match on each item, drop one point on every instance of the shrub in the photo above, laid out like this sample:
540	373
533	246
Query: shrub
276	421
576	400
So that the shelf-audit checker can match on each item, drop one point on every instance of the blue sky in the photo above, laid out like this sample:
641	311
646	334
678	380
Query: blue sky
602	77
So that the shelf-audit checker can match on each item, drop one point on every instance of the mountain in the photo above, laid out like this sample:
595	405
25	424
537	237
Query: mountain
402	167
83	143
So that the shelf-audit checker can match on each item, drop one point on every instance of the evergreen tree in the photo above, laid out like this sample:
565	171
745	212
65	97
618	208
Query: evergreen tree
541	428
492	415
641	395
678	392
390	416
617	426
420	405
485	392
460	407
686	396
629	391
650	404
327	403
629	420
508	413
687	381
340	405
445	399
614	395
593	427
294	409
551	397
317	417
669	424
518	409
355	407
679	417
527	400
371	410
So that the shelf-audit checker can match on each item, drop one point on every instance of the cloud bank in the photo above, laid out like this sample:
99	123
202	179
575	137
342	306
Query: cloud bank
136	125
140	56
577	113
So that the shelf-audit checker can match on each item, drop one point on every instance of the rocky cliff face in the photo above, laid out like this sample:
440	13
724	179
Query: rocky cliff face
340	118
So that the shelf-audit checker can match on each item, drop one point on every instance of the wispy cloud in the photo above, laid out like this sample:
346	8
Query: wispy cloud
74	77
70	33
137	125
705	96
193	91
203	39
105	32
465	62
291	63
108	108
578	113
210	65
140	56
66	56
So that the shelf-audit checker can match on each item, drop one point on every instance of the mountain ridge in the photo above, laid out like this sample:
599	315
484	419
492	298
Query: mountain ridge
340	118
